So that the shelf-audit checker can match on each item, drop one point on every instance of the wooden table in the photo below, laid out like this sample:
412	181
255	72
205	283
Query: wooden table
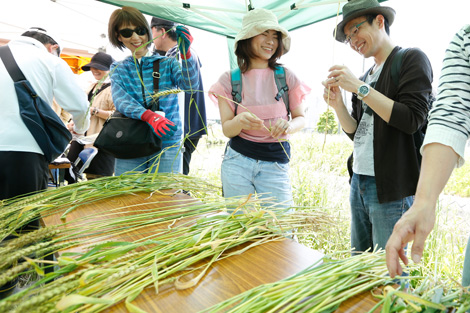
262	264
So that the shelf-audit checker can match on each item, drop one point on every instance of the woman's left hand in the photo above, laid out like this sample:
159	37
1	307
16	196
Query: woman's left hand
280	128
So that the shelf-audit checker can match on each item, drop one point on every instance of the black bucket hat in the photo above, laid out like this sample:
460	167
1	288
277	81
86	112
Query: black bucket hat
101	61
357	8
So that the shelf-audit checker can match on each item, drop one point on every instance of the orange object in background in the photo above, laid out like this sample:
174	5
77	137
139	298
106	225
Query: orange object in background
75	58
75	62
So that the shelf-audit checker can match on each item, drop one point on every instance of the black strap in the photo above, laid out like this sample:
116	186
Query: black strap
281	84
156	78
396	65
92	94
10	64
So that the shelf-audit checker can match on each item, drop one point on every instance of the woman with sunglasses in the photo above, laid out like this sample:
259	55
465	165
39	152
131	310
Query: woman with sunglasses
132	87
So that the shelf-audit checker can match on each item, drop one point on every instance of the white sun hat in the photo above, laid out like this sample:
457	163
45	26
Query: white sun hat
258	21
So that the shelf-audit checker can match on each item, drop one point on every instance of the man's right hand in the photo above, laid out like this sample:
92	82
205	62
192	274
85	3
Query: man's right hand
162	127
415	225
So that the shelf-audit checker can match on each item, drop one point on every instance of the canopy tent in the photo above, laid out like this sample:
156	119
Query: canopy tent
82	25
224	17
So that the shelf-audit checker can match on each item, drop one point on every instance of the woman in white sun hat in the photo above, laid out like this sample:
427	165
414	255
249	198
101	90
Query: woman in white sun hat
255	116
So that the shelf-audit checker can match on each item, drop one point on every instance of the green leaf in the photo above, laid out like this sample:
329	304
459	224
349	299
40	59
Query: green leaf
132	308
71	300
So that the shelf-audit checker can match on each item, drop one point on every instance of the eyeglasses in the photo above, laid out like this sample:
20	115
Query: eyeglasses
353	33
127	32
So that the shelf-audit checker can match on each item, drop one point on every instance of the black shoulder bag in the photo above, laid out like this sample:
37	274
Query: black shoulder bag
44	124
128	138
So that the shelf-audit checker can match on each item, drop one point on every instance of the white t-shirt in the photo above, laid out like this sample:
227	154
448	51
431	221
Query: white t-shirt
363	153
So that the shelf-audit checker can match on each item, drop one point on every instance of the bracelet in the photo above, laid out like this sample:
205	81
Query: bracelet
94	111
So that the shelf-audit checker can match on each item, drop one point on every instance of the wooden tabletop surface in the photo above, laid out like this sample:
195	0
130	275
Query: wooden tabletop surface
266	263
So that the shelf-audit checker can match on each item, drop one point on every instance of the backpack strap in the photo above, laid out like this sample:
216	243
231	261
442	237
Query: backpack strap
14	70
396	66
156	82
280	78
10	64
236	79
94	93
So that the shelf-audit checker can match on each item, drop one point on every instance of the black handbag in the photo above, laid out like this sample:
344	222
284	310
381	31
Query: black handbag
44	124
128	138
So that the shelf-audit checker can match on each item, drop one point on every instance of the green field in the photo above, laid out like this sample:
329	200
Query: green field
319	179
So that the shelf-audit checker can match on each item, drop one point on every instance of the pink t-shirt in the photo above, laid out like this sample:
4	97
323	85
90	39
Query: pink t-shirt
258	92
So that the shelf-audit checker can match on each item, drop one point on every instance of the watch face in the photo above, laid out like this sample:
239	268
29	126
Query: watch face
363	89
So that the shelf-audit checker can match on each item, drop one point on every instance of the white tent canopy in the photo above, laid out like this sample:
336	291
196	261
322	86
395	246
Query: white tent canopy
82	24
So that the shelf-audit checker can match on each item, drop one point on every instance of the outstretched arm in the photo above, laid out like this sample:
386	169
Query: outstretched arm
416	224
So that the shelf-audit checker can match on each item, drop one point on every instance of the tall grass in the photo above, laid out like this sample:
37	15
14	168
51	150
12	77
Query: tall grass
319	179
459	182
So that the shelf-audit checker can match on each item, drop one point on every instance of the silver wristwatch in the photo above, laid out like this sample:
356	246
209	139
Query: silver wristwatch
363	91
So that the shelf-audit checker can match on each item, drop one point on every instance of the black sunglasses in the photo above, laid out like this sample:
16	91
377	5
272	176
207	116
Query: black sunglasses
127	32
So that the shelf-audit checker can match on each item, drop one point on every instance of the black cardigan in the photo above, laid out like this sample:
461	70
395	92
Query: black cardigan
395	157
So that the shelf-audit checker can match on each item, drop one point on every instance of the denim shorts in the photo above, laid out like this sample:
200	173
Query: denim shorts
170	161
372	222
242	175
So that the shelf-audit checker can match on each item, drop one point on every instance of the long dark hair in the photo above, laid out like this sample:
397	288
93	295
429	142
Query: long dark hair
244	53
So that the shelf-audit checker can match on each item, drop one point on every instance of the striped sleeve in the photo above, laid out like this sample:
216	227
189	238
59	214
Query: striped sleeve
189	79
449	119
126	89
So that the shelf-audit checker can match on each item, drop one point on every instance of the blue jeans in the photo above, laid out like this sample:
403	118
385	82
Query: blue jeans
372	222
170	161
242	175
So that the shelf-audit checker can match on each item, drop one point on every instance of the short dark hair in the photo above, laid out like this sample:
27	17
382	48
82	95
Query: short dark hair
125	16
169	31
244	53
41	37
371	17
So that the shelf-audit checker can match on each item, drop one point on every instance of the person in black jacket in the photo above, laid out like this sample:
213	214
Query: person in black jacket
385	164
194	103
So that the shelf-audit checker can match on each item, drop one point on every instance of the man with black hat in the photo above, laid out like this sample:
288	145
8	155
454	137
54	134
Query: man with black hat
164	39
385	115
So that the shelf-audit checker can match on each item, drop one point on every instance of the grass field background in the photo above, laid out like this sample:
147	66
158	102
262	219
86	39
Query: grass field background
320	181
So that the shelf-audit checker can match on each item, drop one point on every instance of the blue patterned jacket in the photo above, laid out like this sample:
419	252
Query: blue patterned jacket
132	99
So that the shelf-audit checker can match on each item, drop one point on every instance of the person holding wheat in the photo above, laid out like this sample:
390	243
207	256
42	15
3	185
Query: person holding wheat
262	114
385	116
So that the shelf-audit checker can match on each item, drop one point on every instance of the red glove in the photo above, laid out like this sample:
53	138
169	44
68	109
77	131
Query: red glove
162	127
184	39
